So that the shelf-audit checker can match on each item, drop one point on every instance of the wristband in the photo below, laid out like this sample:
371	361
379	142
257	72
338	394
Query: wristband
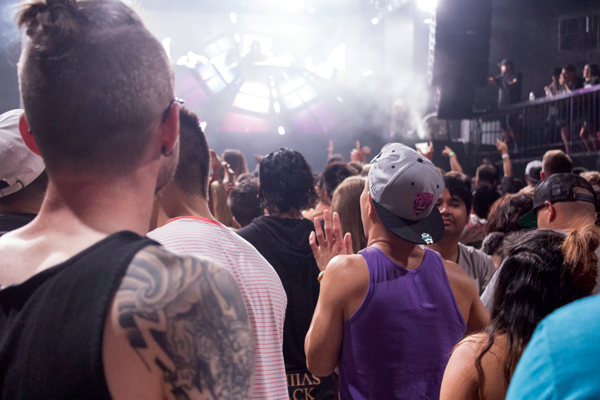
451	154
505	155
321	275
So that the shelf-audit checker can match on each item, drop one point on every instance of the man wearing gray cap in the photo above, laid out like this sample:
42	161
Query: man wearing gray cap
390	315
22	176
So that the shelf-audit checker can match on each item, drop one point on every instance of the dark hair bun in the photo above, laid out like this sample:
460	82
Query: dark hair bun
52	25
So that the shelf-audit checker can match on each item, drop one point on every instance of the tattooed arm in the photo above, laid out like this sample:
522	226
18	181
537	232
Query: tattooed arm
185	317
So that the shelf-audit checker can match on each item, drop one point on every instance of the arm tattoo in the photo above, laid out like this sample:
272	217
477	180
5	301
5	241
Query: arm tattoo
192	311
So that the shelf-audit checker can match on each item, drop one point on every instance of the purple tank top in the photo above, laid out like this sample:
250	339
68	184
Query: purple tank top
398	342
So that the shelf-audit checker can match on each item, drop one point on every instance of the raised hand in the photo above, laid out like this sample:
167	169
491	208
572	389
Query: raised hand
330	149
447	151
501	146
332	243
428	153
359	153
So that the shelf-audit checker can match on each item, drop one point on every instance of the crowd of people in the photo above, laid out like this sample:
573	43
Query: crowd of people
136	263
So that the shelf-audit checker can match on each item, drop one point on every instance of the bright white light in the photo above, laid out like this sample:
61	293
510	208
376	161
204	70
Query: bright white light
272	84
203	125
427	5
276	107
375	21
233	18
237	37
167	45
368	73
311	10
340	99
255	89
289	5
427	20
274	93
281	130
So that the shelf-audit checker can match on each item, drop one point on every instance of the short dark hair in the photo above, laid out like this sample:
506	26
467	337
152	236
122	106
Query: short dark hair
570	68
487	174
556	71
556	162
459	187
335	174
95	84
243	200
191	175
483	198
286	182
505	213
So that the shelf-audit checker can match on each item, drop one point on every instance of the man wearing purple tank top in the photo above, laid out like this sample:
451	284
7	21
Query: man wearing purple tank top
390	316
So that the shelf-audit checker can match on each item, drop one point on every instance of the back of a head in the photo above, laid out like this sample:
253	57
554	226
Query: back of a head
459	187
487	175
286	182
243	201
191	175
483	198
556	162
236	161
544	270
506	212
335	174
94	82
346	202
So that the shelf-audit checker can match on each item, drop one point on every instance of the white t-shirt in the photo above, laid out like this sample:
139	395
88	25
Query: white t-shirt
261	289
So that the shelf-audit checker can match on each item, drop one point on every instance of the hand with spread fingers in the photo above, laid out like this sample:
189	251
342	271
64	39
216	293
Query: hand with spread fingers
330	244
359	153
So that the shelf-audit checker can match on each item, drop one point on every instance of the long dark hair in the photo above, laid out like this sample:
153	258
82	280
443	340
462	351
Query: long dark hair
545	270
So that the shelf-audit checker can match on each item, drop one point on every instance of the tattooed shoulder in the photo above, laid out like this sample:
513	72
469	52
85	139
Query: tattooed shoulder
191	310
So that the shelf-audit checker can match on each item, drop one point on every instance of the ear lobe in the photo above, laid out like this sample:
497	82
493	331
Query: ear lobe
27	135
542	176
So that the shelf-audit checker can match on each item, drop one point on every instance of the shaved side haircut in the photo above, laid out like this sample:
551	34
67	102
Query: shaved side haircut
87	108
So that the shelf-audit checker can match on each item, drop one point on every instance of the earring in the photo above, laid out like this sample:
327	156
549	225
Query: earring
166	153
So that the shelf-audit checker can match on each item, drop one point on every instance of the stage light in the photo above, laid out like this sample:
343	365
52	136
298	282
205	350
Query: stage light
233	18
281	130
237	38
274	93
340	99
427	20
427	5
375	21
277	107
203	125
311	10
368	73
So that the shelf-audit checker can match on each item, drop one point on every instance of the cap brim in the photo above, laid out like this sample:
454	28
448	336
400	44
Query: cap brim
529	220
426	231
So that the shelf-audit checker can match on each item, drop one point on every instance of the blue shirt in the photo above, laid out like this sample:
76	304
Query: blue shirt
562	360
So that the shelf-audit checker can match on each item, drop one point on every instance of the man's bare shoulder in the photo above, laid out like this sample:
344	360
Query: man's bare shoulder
346	266
458	276
185	316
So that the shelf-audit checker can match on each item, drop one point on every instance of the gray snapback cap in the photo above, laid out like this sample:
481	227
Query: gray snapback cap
404	188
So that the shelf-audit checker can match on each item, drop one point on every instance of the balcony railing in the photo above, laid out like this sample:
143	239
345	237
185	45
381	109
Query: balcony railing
545	123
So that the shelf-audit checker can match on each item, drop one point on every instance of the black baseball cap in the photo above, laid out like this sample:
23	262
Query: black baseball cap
558	188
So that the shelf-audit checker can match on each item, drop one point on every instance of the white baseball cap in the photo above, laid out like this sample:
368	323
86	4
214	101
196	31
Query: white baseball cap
19	166
404	188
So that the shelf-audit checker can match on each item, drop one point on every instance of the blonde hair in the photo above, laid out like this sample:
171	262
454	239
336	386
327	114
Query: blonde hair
346	202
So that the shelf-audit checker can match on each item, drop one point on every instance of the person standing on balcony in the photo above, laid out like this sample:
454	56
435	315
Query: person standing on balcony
570	82
509	92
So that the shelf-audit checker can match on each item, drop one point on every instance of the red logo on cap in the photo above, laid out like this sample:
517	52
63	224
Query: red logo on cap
422	203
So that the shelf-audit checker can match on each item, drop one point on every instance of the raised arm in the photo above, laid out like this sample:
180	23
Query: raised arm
506	163
185	318
454	164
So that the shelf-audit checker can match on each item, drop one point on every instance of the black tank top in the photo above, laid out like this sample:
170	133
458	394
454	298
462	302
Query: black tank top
51	325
